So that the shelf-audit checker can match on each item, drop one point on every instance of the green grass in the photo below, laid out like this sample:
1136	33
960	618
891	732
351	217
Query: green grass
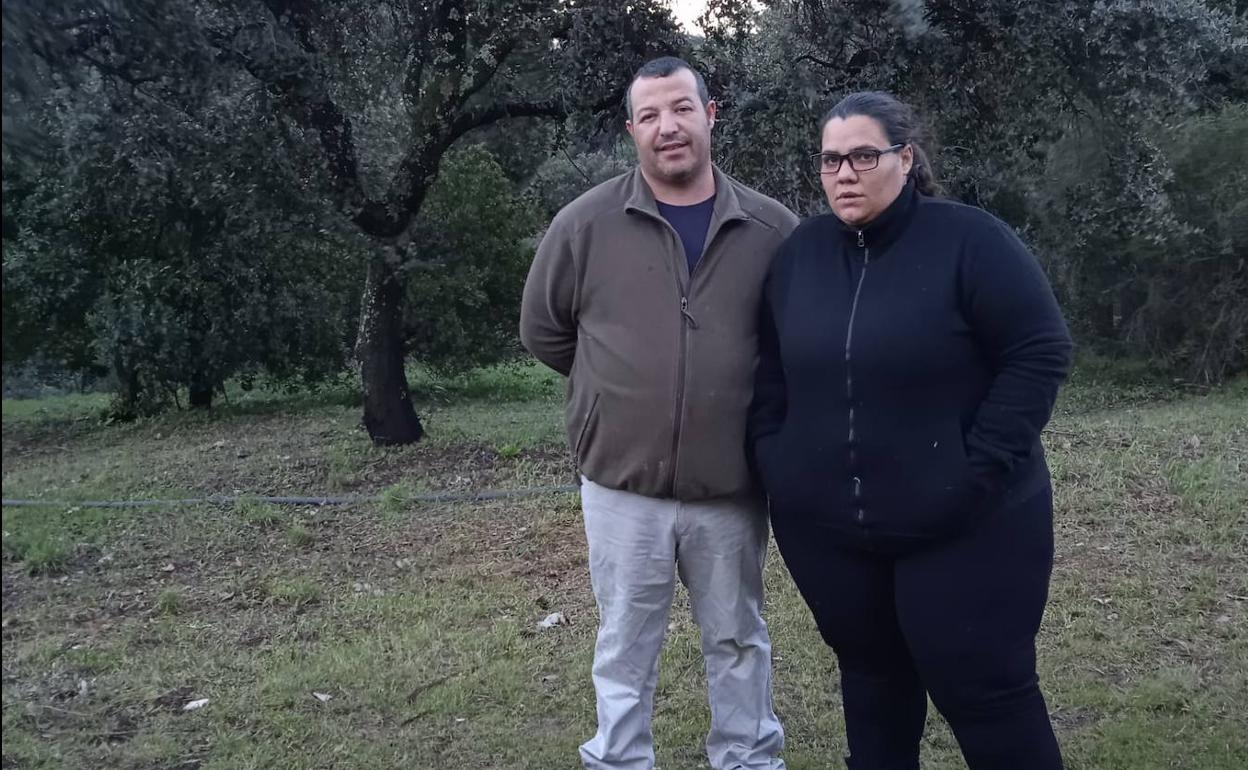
299	535
258	513
45	539
171	601
295	591
396	500
68	407
420	621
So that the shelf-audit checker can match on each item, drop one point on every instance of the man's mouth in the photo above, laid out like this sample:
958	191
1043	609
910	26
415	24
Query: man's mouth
670	146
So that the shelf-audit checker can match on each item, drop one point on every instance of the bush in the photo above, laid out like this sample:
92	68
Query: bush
466	266
154	251
1155	264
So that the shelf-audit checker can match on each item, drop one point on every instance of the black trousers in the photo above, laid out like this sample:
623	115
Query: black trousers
954	619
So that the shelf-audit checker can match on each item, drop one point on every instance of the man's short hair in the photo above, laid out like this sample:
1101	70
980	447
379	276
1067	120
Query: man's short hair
661	68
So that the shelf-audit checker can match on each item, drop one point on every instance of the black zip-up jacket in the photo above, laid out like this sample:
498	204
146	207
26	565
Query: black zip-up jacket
906	371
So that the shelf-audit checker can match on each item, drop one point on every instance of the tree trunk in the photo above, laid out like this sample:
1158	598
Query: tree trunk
126	400
388	413
201	392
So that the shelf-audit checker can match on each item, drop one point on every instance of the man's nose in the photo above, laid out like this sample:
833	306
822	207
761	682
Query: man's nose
846	172
667	122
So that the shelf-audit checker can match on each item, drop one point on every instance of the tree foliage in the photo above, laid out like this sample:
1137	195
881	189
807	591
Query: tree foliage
1068	119
377	91
199	189
474	242
150	246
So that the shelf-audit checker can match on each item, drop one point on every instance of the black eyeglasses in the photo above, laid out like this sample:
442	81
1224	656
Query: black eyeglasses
859	160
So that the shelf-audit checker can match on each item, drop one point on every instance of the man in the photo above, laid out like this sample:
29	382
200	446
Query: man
644	292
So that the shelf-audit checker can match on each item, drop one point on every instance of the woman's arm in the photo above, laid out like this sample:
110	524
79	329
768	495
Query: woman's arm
1015	317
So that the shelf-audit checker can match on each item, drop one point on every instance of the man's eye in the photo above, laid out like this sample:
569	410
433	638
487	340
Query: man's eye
831	160
862	157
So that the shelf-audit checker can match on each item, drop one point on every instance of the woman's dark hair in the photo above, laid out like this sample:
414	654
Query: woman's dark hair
900	127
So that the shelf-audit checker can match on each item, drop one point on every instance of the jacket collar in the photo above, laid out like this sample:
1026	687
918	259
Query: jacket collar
880	232
727	204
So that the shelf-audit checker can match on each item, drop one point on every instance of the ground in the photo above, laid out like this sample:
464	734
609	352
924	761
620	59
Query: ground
399	634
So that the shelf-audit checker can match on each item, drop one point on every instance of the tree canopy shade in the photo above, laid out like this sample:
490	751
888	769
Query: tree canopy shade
371	94
196	190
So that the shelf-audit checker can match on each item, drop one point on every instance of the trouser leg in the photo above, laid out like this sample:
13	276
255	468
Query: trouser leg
970	610
721	548
851	595
632	554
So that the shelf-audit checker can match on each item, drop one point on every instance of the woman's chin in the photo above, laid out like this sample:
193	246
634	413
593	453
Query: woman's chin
851	214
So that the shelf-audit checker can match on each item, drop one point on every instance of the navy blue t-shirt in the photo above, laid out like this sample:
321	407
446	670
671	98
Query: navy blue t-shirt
691	224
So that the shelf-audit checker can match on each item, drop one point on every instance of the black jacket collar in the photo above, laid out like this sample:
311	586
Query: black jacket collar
879	233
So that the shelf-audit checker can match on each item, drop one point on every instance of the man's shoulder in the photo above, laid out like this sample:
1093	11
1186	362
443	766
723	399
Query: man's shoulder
762	208
603	198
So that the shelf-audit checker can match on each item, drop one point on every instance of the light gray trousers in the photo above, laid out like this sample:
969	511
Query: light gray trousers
637	545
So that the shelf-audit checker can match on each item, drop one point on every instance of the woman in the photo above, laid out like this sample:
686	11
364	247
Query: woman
911	353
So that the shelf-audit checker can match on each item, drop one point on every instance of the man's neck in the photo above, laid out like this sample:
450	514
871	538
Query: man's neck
697	190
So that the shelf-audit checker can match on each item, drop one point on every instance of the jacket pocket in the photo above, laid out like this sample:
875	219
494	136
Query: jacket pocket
918	483
590	422
958	498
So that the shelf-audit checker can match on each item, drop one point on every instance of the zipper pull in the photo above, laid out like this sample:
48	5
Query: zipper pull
861	240
684	310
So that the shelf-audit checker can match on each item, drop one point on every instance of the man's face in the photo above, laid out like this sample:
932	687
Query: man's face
671	128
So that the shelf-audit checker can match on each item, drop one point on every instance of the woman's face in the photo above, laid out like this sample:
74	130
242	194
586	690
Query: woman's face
857	197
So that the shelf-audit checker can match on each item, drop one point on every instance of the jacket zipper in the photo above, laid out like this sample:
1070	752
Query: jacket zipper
580	439
688	323
860	513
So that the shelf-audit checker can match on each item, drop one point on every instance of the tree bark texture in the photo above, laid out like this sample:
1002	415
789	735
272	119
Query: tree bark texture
389	415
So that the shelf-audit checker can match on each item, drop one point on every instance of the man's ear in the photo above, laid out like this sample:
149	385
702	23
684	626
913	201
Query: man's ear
711	108
628	126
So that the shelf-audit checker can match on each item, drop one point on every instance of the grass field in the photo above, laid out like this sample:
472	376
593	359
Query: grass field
400	635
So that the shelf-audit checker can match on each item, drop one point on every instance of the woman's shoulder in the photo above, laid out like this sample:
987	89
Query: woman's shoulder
969	227
946	212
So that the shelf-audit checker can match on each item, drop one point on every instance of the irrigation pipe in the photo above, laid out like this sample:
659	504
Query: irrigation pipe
429	497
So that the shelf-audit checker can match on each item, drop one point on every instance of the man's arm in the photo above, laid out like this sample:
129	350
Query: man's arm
548	310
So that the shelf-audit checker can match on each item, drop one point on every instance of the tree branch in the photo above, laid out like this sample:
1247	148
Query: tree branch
815	60
488	59
444	52
292	73
484	115
299	12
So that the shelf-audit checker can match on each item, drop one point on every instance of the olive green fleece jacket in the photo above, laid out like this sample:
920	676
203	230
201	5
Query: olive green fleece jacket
660	363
